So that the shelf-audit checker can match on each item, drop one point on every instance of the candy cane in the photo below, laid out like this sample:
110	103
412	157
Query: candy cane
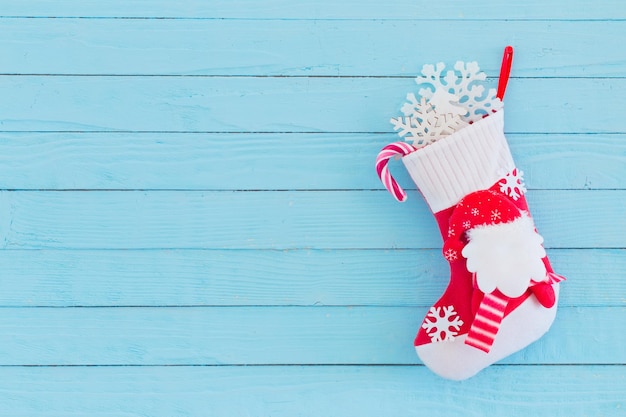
389	151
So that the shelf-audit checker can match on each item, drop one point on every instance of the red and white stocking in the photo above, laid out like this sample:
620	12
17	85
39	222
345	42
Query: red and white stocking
502	294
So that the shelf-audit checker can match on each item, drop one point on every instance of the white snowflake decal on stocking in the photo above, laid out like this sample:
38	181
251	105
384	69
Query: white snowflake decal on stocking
513	184
450	255
422	124
442	323
459	92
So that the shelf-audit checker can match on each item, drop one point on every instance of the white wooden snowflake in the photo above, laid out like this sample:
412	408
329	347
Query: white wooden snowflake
513	184
422	124
460	92
442	323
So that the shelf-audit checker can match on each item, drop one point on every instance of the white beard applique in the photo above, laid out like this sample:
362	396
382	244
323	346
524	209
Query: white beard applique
506	256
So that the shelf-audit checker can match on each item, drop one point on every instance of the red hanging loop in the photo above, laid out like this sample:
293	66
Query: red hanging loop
505	71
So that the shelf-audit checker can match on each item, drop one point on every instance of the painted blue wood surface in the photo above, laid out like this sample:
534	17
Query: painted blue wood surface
268	335
190	222
305	277
127	47
369	391
324	9
283	104
288	161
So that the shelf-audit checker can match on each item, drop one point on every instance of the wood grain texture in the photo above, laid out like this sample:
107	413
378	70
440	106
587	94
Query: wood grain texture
274	161
283	104
191	225
271	336
67	278
310	391
272	48
325	9
278	220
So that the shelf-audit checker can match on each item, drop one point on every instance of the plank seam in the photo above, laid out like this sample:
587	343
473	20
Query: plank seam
303	365
337	19
278	76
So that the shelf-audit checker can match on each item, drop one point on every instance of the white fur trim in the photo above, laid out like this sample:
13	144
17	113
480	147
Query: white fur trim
506	256
457	361
472	159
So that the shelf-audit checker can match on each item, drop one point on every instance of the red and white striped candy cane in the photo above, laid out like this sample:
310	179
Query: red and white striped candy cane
388	152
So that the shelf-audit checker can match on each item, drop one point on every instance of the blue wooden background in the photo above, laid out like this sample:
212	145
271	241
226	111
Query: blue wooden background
191	224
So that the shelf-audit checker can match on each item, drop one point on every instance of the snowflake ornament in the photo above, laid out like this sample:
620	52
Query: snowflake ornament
442	323
422	124
460	92
513	184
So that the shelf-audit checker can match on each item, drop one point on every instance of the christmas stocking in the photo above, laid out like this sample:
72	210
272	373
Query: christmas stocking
502	294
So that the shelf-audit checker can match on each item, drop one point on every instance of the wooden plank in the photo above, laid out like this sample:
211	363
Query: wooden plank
145	47
323	9
298	161
61	278
271	335
284	104
277	220
310	391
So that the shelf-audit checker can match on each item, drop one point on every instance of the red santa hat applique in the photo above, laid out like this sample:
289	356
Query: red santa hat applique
499	241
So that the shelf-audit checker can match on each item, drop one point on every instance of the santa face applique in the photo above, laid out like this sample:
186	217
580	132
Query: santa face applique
503	249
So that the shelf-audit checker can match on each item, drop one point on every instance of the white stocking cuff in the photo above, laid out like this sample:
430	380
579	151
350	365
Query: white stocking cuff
472	159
